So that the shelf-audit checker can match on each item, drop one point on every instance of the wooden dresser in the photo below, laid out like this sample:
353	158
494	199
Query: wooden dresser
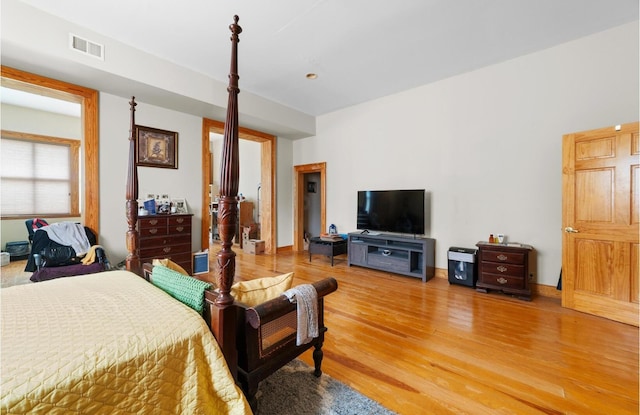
166	236
504	268
245	218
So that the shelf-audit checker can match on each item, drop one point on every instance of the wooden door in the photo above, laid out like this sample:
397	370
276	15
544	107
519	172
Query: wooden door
600	212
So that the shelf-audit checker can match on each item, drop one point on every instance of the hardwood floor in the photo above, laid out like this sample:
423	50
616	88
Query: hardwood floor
446	349
435	348
13	274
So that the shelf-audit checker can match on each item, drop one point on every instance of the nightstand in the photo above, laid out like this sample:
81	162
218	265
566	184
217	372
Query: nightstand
504	267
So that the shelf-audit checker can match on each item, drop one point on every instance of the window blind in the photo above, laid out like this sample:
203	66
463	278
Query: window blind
36	177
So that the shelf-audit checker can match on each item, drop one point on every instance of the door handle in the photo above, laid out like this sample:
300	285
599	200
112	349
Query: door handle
569	229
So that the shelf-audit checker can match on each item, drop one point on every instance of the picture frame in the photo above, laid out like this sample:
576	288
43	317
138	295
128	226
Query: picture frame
156	148
180	205
200	262
311	187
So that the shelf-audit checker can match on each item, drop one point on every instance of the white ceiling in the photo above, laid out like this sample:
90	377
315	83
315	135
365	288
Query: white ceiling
360	49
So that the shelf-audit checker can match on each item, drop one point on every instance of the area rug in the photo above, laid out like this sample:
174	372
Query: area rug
293	390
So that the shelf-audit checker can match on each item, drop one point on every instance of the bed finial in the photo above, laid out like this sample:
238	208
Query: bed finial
229	176
132	260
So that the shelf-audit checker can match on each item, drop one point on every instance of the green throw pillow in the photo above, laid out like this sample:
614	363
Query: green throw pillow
183	288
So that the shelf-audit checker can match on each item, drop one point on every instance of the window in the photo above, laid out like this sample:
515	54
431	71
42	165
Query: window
39	175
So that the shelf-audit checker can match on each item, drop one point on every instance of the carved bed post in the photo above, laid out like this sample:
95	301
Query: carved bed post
223	312
229	176
133	260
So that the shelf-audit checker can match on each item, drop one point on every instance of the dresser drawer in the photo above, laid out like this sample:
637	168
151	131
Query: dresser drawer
506	269
152	222
179	220
152	231
183	229
166	240
506	281
182	259
163	251
391	263
503	256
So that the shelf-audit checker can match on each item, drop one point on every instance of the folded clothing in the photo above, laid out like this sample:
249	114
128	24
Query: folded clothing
306	298
44	274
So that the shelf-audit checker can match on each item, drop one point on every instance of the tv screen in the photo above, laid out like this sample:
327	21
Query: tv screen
400	211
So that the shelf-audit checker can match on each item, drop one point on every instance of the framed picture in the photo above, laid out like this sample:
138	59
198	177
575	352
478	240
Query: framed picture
311	187
180	205
156	148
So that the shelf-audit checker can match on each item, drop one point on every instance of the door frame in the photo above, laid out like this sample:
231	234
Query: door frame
88	100
299	192
267	212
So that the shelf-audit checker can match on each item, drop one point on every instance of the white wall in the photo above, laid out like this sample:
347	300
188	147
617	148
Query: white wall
485	144
185	182
21	119
250	155
284	192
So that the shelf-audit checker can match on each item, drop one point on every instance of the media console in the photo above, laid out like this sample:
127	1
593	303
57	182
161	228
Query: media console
406	255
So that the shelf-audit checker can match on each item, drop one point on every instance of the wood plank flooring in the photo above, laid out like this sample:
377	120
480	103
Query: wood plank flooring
436	348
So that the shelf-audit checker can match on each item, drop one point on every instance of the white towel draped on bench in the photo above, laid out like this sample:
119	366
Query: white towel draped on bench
306	298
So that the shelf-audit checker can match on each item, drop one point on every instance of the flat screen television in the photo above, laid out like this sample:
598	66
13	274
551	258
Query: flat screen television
398	211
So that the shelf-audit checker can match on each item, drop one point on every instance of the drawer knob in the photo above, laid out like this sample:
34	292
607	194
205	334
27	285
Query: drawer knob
166	249
502	257
180	228
501	268
180	220
502	280
153	221
153	231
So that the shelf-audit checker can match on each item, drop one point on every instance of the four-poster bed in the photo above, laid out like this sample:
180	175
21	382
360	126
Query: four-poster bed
255	339
222	315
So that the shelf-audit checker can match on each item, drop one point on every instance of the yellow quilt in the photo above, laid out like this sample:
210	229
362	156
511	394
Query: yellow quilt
109	343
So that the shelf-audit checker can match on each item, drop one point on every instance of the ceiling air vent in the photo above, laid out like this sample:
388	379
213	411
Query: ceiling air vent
86	46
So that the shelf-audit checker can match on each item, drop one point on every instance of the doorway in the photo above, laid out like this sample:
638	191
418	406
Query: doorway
600	218
303	175
88	100
267	210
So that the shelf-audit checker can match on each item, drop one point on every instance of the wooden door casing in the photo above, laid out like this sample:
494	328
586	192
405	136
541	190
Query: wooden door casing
601	212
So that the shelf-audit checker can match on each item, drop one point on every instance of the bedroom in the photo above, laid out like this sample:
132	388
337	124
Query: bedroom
537	98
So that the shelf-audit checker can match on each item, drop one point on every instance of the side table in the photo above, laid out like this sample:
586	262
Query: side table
504	267
328	248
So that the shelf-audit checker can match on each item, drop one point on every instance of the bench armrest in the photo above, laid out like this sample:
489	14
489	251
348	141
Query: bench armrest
277	307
